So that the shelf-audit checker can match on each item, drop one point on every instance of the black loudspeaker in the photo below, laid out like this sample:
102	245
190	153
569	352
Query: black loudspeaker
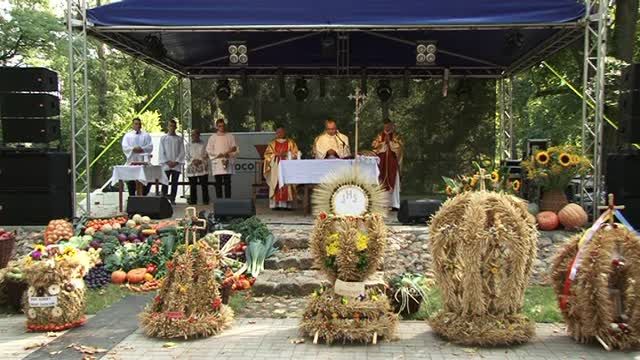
629	103
232	208
155	207
20	105
23	130
24	170
28	79
417	211
34	207
622	175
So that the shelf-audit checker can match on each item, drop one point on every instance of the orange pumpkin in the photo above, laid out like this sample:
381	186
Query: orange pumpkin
136	276
118	277
547	220
573	216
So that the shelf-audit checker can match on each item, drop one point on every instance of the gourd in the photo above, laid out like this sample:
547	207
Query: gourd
573	216
148	277
118	277
136	276
547	220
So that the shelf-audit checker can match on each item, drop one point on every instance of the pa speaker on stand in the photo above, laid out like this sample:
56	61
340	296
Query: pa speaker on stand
227	209
417	211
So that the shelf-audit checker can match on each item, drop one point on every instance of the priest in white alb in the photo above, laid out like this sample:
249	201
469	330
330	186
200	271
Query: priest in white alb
137	147
281	148
331	144
171	158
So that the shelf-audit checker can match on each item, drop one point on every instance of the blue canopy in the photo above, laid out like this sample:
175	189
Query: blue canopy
482	38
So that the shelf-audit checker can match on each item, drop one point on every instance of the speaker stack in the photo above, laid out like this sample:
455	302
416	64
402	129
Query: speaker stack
629	103
35	178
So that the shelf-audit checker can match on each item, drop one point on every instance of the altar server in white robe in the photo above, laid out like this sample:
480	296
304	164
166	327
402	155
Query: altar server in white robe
331	144
171	155
197	168
137	147
222	150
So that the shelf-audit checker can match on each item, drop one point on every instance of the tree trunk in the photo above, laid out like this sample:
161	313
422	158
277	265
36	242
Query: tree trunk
625	29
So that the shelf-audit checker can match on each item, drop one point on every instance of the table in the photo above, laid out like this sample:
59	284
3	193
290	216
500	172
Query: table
310	171
142	174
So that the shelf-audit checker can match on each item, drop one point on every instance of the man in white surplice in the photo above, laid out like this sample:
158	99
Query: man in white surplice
137	147
171	155
331	144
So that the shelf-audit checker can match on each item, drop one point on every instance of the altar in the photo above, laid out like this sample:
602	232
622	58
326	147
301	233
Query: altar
308	172
141	174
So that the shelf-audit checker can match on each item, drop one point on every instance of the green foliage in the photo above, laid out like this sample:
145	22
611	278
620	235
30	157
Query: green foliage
252	229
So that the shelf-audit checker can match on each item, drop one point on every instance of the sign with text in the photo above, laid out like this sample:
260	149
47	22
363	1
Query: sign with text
348	289
43	301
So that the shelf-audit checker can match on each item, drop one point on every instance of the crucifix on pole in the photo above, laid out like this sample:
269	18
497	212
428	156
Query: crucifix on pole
360	99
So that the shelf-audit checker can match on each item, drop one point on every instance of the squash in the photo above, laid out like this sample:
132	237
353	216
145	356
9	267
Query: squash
146	220
131	224
106	228
136	276
137	218
118	277
573	216
148	277
547	220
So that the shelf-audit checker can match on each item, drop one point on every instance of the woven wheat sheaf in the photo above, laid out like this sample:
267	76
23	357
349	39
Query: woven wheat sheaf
483	246
610	261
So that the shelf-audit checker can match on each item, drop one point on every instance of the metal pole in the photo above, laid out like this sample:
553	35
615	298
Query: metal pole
72	97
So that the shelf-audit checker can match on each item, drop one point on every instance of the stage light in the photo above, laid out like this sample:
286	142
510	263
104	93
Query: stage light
300	90
426	53
223	90
238	53
384	90
155	46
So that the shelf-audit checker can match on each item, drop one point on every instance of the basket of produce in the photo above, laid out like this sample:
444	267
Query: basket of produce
12	285
7	244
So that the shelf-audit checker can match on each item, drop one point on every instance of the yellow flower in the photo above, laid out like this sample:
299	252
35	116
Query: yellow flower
449	190
40	248
564	159
474	180
495	176
542	157
70	252
362	242
333	249
575	159
516	185
335	237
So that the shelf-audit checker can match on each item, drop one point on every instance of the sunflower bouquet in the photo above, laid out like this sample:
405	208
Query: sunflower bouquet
494	180
554	168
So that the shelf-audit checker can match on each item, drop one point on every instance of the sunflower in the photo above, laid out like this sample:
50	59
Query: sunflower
542	157
495	176
449	191
565	159
575	159
515	185
474	180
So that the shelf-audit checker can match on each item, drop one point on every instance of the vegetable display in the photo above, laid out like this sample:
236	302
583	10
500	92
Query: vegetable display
97	277
57	230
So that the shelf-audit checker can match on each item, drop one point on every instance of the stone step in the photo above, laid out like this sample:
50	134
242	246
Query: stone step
285	259
292	283
291	236
298	283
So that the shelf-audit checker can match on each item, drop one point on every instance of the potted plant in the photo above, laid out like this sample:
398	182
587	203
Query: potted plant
407	292
552	170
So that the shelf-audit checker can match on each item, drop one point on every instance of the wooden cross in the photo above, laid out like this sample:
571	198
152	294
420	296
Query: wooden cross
483	176
360	99
611	206
190	225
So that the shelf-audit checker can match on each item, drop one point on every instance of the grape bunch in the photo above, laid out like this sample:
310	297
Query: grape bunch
223	239
97	277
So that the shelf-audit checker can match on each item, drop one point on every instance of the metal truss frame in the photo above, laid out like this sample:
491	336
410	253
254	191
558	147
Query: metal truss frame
79	103
506	144
595	56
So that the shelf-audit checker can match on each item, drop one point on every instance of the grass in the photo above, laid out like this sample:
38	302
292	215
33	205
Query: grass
237	302
540	305
98	299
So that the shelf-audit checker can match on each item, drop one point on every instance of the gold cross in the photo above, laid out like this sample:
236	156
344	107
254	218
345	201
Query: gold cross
190	225
483	176
611	206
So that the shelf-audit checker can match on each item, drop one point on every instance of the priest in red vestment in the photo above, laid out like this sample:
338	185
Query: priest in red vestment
281	148
389	148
